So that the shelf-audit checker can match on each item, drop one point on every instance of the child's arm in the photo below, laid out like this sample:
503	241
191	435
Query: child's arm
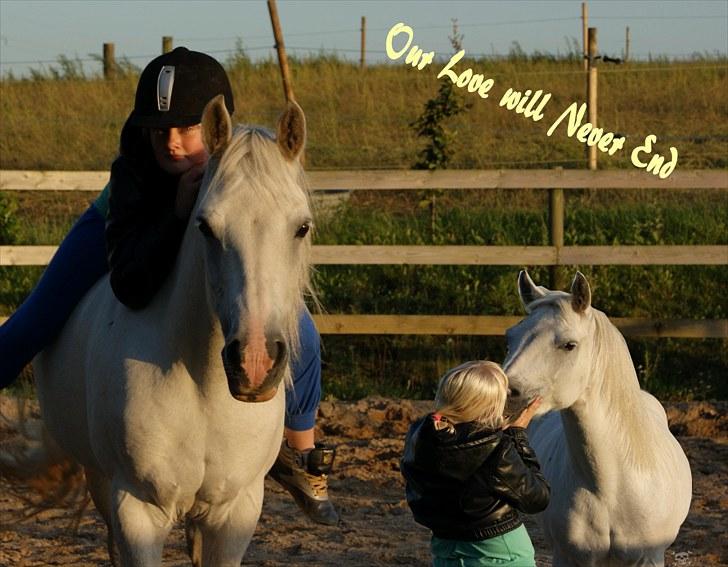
515	474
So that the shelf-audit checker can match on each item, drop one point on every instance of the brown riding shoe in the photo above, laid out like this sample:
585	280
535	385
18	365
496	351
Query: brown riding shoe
304	475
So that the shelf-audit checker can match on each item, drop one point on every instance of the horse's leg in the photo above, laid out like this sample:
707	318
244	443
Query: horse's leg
100	489
193	536
140	529
561	558
227	530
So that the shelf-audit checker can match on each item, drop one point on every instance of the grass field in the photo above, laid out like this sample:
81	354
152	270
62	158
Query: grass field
360	119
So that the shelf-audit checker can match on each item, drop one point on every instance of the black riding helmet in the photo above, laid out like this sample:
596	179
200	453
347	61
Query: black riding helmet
175	87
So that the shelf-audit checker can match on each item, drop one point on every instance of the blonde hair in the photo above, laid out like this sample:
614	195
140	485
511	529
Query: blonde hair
476	392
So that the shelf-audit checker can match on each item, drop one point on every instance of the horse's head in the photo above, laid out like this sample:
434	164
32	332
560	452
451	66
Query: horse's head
254	217
549	352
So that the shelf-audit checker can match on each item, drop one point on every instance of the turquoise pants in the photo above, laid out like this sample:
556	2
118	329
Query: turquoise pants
512	549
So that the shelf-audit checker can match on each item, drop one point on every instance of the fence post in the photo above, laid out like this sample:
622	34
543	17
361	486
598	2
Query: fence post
556	234
591	94
626	45
584	34
109	61
363	54
166	43
281	49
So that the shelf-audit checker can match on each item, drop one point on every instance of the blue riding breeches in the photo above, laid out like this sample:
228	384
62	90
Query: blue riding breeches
79	262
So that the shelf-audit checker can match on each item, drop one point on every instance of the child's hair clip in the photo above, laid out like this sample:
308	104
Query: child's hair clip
441	422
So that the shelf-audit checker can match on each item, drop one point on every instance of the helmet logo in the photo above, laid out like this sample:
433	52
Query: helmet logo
165	82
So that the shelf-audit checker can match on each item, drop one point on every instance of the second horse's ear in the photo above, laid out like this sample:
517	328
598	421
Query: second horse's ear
580	293
291	132
217	128
528	291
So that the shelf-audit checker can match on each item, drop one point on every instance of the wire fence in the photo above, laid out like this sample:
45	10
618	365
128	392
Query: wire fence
352	31
314	50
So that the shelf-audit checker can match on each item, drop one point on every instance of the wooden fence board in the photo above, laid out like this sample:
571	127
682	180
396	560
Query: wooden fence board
385	180
26	255
53	180
464	255
436	255
643	255
336	324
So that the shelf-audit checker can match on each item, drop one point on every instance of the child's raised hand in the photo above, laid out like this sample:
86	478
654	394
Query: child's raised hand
526	415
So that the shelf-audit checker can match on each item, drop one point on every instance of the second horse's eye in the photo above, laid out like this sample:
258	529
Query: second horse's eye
205	228
303	230
571	345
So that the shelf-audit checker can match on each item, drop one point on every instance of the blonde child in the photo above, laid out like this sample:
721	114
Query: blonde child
469	474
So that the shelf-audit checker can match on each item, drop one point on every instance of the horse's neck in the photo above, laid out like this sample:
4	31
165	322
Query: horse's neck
609	429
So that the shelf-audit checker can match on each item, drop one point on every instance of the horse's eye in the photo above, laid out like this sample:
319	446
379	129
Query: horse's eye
571	345
204	228
303	230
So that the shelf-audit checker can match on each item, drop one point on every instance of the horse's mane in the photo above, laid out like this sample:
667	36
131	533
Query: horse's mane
255	148
620	392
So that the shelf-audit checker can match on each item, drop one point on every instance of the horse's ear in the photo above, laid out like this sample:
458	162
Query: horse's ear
580	293
217	129
528	290
291	131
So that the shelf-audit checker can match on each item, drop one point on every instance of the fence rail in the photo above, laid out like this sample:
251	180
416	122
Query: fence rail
496	325
464	255
385	180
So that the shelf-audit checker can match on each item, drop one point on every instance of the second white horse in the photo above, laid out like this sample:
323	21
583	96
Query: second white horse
620	482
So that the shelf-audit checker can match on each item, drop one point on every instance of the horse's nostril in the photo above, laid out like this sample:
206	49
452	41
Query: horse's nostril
514	392
277	349
281	351
232	353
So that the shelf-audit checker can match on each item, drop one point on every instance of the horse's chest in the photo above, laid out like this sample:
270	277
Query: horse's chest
181	445
607	518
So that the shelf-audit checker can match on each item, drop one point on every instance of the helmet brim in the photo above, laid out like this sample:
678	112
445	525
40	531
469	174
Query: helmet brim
162	120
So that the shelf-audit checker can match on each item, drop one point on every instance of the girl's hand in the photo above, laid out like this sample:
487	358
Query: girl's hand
187	188
526	415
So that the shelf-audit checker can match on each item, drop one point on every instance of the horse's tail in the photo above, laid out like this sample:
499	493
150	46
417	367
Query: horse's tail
34	469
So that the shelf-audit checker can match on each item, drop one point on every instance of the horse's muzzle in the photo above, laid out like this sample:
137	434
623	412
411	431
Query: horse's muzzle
515	403
264	385
256	398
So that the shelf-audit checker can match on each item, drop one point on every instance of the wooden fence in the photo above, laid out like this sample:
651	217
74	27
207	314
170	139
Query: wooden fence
555	181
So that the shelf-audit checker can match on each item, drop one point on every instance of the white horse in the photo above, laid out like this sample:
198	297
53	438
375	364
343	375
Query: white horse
157	405
620	482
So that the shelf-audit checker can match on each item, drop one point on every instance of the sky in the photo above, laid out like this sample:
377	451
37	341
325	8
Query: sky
34	33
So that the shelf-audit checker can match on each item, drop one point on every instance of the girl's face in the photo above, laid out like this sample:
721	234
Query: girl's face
178	149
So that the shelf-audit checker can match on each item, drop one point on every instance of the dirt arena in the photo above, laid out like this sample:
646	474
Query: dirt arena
377	528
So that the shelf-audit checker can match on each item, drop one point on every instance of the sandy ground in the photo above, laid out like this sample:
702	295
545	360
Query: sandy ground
377	528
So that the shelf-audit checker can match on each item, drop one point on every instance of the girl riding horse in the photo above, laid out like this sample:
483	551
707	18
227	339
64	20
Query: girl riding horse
134	230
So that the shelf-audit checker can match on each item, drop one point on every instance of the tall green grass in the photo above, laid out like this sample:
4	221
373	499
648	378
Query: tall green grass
361	118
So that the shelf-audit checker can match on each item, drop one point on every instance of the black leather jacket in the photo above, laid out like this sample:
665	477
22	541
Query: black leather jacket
143	235
468	484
